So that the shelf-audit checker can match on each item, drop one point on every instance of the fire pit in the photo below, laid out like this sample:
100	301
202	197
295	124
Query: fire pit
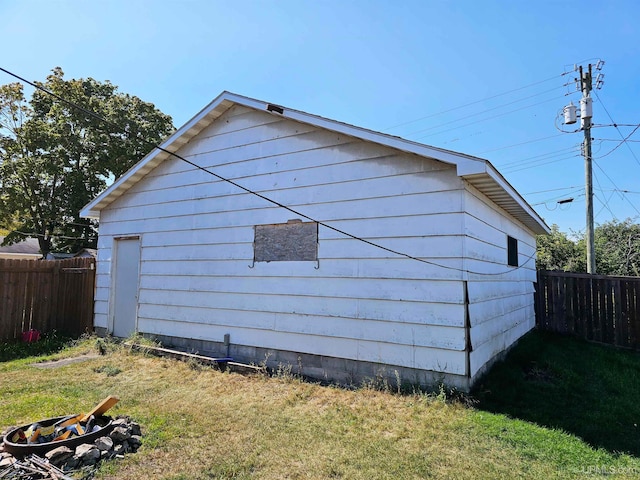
103	423
68	444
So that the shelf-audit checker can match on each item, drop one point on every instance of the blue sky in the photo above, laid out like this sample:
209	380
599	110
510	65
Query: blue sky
495	68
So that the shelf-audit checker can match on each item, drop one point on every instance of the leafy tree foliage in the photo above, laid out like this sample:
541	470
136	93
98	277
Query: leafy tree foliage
557	251
55	158
617	247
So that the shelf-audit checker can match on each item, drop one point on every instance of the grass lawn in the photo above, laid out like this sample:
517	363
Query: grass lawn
589	390
558	409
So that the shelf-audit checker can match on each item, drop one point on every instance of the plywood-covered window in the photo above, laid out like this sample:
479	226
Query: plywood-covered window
294	241
512	251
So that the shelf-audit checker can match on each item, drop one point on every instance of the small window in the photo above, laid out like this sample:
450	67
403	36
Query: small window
512	251
286	242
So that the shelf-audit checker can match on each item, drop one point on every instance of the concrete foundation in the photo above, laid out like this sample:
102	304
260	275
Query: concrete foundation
340	371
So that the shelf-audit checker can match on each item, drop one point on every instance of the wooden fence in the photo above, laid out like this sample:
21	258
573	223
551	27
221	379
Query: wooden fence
594	307
46	295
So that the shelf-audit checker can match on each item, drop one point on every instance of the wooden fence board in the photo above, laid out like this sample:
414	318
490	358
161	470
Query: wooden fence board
633	313
46	295
598	308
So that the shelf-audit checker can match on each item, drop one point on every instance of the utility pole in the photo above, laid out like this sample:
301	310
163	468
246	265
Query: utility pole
586	112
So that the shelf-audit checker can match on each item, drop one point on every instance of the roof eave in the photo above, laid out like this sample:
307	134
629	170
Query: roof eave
491	183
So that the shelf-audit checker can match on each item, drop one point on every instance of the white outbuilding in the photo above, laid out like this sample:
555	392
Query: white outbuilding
272	235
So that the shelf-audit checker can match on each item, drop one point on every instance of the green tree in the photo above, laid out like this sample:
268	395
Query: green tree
617	246
557	251
55	158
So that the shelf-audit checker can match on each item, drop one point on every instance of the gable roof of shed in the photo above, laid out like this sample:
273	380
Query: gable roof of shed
27	246
477	171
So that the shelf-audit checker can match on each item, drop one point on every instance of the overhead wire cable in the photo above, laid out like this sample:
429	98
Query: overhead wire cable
553	152
518	144
615	190
536	158
622	195
624	140
554	190
605	204
614	140
557	197
43	235
603	125
537	163
487	119
474	102
557	160
433	127
261	196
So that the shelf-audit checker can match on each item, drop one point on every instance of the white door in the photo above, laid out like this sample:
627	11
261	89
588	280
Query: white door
125	286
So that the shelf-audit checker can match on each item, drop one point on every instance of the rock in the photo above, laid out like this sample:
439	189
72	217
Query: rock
104	444
59	455
106	454
122	448
120	421
135	429
135	440
87	453
72	463
120	434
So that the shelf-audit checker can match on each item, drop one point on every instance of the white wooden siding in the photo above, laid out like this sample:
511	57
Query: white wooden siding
362	303
501	305
197	235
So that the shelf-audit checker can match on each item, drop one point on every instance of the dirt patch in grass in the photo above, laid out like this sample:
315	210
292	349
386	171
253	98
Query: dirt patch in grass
65	361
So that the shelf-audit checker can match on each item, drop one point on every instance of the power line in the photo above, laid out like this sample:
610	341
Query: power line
616	190
605	206
602	125
474	102
484	111
259	195
536	158
554	190
518	144
558	197
47	235
562	207
616	187
605	203
554	152
488	118
615	139
624	140
514	169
